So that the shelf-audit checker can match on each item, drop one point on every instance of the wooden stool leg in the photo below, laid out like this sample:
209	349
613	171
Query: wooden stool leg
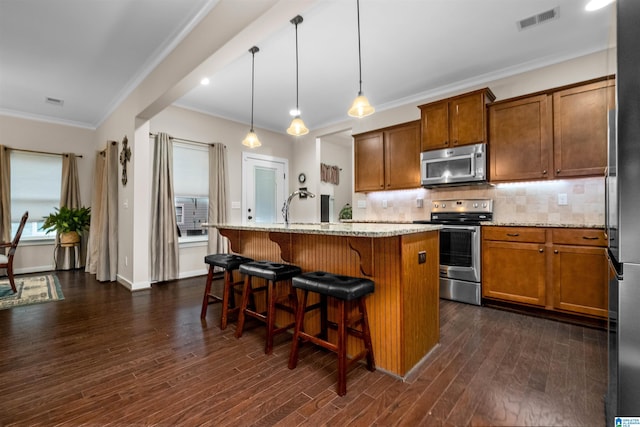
271	315
246	292
207	290
228	279
366	335
323	318
295	345
342	348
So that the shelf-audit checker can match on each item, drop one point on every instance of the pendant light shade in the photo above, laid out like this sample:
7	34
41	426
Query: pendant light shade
360	107
297	126
251	140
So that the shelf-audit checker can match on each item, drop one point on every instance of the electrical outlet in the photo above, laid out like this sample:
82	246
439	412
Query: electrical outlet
562	199
384	204
126	260
235	205
362	204
419	203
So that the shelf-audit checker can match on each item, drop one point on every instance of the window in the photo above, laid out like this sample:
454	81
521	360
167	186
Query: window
191	189
36	180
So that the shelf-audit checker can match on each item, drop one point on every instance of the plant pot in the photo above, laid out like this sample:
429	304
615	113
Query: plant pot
70	238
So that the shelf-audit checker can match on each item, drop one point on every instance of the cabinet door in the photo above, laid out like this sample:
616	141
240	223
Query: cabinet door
580	279
514	272
435	126
520	139
467	120
402	156
369	162
580	128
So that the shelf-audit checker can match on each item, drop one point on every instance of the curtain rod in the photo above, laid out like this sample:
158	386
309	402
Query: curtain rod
186	140
42	152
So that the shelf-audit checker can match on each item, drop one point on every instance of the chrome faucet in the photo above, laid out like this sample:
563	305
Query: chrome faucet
285	208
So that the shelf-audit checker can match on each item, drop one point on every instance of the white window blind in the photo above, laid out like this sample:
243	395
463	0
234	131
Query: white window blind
190	170
35	184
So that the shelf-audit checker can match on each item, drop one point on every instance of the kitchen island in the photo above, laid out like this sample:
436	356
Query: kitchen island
402	260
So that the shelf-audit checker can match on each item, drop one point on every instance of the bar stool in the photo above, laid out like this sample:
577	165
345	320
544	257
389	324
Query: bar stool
272	273
228	262
343	289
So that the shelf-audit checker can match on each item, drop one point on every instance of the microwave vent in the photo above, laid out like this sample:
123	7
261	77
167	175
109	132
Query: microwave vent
548	15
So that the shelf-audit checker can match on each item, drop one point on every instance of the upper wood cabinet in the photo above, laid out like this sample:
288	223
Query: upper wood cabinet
580	128
388	159
562	133
460	120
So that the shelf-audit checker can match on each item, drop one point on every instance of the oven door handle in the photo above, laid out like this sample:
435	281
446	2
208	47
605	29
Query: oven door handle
471	228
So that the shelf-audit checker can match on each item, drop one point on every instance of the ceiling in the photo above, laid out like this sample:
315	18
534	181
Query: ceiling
92	53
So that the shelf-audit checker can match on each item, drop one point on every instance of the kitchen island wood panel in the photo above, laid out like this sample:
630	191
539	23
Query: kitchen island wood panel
403	310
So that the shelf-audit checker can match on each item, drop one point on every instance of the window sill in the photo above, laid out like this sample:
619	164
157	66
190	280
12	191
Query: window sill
193	241
37	241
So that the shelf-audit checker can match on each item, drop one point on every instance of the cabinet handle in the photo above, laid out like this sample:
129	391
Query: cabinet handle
513	234
544	172
445	143
540	250
590	238
555	251
557	170
455	142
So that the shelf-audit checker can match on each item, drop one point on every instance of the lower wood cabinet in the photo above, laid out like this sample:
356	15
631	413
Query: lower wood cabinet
556	269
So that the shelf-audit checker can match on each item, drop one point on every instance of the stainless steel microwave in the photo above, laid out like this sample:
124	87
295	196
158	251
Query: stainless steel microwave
466	164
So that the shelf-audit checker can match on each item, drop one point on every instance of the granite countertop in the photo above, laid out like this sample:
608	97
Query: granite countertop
336	229
554	225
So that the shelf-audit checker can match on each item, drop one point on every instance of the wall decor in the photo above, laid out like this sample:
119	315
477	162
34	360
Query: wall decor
125	156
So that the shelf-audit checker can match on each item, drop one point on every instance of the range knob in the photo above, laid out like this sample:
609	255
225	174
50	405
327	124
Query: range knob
444	205
435	205
484	205
475	205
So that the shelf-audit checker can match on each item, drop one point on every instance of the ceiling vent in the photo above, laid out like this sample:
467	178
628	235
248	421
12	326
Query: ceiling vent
54	101
540	18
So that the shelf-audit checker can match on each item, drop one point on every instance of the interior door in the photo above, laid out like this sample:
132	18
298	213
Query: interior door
264	179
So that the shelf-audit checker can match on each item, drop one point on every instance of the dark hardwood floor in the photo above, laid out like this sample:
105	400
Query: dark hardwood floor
107	356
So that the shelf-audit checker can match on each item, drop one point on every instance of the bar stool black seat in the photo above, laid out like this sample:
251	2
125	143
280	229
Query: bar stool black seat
229	263
271	272
344	289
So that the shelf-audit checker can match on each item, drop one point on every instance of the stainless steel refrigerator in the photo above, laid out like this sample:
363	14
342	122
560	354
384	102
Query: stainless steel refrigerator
623	221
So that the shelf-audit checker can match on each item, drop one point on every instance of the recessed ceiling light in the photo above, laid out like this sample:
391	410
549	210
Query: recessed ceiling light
597	4
205	81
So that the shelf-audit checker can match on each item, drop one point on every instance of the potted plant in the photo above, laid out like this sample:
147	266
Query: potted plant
69	223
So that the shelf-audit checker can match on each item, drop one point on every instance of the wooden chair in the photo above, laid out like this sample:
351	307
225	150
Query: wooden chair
6	261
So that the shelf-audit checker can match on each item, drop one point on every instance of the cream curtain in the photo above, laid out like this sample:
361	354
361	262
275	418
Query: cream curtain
5	194
164	229
70	197
217	196
102	253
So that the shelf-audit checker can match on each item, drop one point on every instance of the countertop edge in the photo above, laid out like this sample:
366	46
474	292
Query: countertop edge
350	229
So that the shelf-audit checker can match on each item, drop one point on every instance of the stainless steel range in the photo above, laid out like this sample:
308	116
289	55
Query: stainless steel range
460	246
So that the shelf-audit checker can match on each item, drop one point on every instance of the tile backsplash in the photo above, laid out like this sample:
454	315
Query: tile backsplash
522	203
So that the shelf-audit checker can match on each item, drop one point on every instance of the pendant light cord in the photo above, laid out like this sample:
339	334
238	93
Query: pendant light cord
359	51
253	66
297	106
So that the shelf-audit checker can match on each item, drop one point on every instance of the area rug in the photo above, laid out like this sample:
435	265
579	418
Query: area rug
31	290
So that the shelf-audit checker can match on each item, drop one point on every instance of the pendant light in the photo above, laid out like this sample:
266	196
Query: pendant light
297	126
360	107
251	140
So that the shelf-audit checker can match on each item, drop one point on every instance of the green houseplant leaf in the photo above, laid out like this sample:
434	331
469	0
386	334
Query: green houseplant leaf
65	219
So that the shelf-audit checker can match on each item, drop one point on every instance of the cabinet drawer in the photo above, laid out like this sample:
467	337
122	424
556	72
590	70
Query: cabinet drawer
514	234
579	236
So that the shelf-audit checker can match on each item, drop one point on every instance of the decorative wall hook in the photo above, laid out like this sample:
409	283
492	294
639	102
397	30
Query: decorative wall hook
125	156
